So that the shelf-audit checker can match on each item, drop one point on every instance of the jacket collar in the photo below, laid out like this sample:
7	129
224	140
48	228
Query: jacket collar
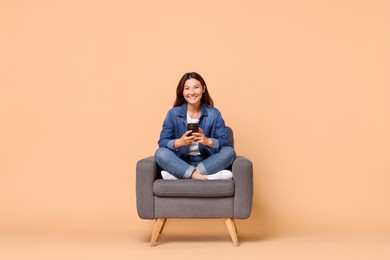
183	110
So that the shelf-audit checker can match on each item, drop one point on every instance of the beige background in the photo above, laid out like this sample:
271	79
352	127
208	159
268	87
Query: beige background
85	86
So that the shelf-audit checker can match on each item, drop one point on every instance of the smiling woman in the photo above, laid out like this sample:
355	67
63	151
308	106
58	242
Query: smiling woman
191	80
204	154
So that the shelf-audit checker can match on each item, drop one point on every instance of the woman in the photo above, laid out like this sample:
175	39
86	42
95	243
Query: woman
202	155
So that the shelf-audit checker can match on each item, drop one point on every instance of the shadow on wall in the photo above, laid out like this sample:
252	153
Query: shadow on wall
261	224
257	227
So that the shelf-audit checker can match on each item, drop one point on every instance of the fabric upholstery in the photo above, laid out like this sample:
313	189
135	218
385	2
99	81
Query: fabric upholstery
146	174
158	198
168	207
191	188
243	179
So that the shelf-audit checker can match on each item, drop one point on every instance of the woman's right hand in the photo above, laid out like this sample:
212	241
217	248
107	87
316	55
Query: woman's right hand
184	140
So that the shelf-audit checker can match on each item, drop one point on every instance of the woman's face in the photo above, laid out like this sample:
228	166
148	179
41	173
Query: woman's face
193	91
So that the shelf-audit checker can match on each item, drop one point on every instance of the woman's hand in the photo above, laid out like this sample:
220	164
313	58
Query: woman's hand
185	139
202	139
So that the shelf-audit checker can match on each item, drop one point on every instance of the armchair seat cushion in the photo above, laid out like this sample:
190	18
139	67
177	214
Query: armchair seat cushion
193	188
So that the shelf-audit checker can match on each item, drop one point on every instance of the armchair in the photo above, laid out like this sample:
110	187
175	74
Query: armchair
186	198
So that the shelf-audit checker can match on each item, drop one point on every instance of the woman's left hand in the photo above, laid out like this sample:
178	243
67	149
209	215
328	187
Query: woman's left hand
202	139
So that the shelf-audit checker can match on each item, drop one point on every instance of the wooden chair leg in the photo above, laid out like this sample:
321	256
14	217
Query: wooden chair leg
158	225
163	225
231	226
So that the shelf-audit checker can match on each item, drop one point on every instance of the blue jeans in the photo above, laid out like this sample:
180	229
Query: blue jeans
169	162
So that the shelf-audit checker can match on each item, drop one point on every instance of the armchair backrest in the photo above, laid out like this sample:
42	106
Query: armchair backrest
231	136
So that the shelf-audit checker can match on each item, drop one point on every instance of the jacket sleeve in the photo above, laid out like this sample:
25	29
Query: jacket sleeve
221	132
219	135
167	135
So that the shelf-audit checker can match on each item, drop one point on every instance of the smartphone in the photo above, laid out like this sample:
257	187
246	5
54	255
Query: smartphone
194	127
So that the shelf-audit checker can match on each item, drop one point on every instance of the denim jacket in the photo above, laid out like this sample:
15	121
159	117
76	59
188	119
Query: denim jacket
211	122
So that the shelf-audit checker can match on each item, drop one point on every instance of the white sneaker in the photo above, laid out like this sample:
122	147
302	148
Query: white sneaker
221	175
167	176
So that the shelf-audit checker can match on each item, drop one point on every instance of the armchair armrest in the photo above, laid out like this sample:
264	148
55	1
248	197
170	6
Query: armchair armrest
146	174
242	169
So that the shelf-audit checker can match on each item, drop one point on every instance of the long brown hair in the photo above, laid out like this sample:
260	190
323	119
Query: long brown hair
206	98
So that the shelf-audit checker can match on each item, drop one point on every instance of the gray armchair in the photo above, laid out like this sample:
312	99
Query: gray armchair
186	198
